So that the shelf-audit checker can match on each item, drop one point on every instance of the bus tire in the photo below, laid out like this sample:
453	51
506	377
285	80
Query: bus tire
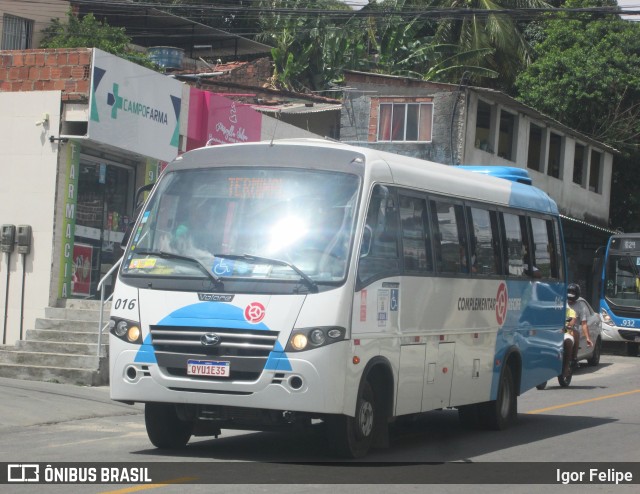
353	437
502	412
594	360
633	349
164	427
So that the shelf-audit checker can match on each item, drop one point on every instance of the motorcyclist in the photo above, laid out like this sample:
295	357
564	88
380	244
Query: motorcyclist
568	343
579	305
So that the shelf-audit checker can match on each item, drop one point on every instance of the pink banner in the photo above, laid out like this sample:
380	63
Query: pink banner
215	119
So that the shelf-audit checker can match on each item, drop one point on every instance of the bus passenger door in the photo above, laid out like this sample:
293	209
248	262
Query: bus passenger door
438	376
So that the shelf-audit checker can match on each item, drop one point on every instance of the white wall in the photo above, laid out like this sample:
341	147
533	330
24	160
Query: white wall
572	199
28	171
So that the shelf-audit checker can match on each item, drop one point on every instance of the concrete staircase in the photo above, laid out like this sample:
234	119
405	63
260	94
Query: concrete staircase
62	348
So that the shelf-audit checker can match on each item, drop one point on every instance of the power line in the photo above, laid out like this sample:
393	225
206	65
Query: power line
246	12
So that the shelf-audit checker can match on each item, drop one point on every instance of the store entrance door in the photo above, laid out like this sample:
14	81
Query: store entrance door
104	202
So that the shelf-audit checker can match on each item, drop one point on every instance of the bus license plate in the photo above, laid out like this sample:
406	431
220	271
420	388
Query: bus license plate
208	368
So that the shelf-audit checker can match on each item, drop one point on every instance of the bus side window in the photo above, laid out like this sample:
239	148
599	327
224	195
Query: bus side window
542	248
514	246
554	250
451	239
416	241
379	252
484	241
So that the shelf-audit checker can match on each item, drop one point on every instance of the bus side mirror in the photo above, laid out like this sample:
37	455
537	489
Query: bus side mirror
367	236
139	205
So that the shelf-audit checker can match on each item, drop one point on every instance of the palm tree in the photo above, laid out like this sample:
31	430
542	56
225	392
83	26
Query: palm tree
500	32
405	44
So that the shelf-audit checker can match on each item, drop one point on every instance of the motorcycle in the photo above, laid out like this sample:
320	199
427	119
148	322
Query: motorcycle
567	353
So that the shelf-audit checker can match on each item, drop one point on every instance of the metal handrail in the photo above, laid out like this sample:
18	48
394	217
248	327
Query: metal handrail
103	302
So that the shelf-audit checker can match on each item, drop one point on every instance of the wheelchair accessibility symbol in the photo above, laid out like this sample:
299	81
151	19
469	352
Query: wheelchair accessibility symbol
222	267
393	304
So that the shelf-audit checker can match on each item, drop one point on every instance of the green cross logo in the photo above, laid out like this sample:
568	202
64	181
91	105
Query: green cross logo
114	101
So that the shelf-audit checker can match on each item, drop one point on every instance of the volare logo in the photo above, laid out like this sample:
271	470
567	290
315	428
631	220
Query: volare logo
215	297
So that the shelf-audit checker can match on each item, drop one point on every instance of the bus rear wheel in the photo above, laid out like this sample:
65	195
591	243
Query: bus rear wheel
353	437
501	413
164	428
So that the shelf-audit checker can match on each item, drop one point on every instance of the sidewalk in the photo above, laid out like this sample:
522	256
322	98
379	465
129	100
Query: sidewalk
32	403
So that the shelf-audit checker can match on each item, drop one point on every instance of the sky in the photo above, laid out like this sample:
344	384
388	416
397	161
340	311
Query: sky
630	4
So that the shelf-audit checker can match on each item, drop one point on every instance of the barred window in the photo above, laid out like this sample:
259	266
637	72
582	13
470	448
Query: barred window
17	33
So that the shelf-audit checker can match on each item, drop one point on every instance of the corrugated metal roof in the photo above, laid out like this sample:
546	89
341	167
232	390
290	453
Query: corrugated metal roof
297	108
150	26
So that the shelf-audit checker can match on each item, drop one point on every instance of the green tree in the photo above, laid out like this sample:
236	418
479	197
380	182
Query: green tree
510	50
586	74
89	32
403	46
311	51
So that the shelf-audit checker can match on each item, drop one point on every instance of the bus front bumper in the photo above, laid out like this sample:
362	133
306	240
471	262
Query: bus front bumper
300	389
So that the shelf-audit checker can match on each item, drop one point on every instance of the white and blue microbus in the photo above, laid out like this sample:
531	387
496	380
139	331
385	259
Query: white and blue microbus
300	281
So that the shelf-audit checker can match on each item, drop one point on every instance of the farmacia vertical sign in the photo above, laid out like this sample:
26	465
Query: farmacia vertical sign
69	219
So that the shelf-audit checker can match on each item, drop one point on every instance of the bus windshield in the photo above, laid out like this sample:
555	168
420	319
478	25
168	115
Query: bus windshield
622	282
246	223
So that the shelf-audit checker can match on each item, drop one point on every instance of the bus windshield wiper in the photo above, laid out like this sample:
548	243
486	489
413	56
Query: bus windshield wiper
171	255
313	287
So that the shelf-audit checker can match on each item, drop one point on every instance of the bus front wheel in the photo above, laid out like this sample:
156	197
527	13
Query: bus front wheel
164	428
353	436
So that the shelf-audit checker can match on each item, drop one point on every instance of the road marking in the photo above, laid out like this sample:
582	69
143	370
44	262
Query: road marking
165	483
582	402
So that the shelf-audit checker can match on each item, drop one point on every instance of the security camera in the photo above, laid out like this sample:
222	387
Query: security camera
44	119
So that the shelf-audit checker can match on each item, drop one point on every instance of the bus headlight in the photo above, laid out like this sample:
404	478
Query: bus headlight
299	341
606	318
128	331
133	334
310	338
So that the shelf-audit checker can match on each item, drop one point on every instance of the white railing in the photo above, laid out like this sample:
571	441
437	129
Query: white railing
101	326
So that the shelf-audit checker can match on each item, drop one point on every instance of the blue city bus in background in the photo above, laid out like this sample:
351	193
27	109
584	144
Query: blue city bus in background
616	292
